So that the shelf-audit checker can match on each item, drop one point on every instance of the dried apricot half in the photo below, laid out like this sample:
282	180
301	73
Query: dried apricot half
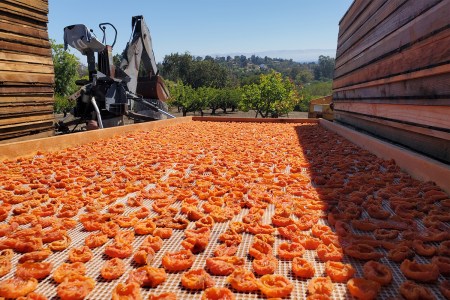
130	291
197	280
113	269
66	269
301	267
275	286
338	271
36	270
364	289
17	287
242	280
178	261
218	293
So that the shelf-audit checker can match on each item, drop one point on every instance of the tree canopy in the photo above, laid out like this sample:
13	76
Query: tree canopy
66	70
272	96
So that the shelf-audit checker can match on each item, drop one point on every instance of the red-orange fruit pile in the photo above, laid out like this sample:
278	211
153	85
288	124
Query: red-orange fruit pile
148	204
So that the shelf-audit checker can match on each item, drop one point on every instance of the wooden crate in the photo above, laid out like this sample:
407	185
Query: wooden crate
392	72
26	70
320	108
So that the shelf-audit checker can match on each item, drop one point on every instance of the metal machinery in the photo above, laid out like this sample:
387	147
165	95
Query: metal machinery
134	89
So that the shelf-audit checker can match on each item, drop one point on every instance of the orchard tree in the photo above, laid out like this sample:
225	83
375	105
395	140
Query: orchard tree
66	70
273	96
183	96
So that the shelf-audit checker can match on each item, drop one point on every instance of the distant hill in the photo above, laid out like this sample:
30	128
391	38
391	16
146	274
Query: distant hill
306	55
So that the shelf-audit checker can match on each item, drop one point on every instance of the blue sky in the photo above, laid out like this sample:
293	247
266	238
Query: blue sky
203	27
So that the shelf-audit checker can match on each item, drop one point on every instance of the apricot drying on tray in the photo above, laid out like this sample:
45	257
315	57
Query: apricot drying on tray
330	252
225	250
400	253
275	286
422	249
119	250
385	234
197	280
27	244
218	293
80	254
110	228
164	233
301	267
363	252
60	245
75	287
419	272
223	265
206	221
363	289
260	229
163	296
131	291
112	269
412	291
35	256
318	229
38	270
242	280
444	248
269	239
444	288
66	269
125	221
290	232
95	240
266	265
5	266
144	255
147	276
153	241
17	287
338	271
259	249
33	296
195	244
378	272
320	285
290	250
443	263
178	261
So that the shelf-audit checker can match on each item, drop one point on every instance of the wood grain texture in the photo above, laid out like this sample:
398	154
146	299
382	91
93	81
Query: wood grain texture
428	85
375	14
22	10
26	58
26	69
432	51
432	21
392	73
434	116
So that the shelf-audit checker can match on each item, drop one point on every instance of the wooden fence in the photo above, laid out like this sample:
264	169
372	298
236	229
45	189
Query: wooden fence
26	69
392	74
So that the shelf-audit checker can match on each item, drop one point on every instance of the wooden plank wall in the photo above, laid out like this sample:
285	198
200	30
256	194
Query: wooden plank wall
392	74
26	69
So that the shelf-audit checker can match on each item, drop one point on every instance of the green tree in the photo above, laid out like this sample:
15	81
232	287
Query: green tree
274	95
66	70
324	69
183	96
312	91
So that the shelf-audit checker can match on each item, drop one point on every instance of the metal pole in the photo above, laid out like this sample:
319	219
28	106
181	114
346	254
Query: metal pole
97	111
